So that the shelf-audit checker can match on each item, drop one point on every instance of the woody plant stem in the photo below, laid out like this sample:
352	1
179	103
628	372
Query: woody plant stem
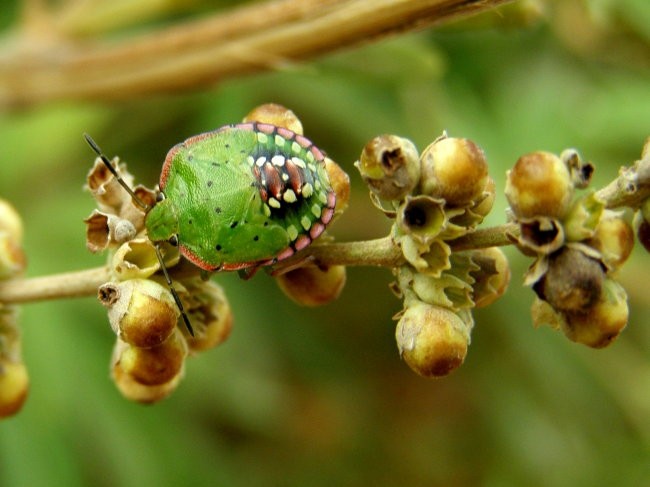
630	189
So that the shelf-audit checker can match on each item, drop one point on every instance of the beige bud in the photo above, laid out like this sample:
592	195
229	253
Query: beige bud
14	387
142	312
277	115
454	169
313	286
539	185
432	340
614	239
155	365
390	166
133	390
340	182
12	257
10	222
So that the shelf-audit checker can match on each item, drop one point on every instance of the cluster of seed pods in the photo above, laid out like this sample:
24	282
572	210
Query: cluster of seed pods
14	380
150	349
435	197
577	245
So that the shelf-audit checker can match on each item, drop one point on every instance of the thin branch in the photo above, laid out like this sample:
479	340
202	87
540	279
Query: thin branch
255	37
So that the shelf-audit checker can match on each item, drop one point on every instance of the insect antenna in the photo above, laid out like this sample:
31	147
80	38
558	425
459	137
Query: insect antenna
93	145
173	291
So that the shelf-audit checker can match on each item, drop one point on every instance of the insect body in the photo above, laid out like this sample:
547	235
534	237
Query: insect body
242	196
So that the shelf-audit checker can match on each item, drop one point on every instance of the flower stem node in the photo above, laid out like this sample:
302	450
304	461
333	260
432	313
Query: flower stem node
539	184
14	387
390	166
141	312
455	170
431	339
313	286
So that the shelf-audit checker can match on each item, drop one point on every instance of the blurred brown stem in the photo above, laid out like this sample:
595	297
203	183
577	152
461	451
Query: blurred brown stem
45	63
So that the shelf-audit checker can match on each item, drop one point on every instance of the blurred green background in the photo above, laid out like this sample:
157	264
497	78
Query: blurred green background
316	397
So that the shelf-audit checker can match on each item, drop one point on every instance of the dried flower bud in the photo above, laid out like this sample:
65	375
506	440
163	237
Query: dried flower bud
539	185
390	166
155	365
603	322
133	212
455	170
277	115
581	171
14	387
422	217
313	286
541	235
614	239
493	277
340	182
105	229
133	390
573	281
10	222
432	340
137	259
108	193
141	312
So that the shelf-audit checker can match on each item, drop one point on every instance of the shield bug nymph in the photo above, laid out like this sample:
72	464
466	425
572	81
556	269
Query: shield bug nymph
239	197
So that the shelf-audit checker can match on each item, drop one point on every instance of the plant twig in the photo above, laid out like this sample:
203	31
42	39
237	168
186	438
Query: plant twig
251	38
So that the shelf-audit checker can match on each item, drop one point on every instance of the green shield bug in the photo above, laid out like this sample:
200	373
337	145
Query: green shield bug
239	197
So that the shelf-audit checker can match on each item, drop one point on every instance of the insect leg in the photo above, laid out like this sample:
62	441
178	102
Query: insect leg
172	290
93	145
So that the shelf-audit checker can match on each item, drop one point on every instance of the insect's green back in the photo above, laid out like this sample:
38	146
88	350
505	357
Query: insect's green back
242	195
